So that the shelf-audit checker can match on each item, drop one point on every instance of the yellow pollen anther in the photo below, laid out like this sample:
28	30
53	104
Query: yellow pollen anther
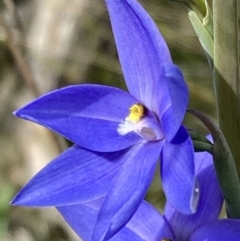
136	113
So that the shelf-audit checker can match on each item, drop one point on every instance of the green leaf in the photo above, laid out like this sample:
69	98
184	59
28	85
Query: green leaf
198	6
202	32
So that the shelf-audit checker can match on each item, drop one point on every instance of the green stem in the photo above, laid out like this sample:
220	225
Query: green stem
226	72
224	166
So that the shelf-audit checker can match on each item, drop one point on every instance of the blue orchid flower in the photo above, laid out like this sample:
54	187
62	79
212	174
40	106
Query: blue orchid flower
148	224
119	136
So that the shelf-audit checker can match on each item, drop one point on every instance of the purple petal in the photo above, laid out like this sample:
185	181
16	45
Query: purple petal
210	201
172	117
141	48
142	226
77	175
144	223
128	190
177	172
82	217
88	115
222	230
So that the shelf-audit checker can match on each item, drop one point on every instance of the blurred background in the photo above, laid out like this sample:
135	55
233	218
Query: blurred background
45	45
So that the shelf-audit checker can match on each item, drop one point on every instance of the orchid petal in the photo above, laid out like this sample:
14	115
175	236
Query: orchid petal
142	226
177	172
128	190
222	230
172	114
141	48
209	205
88	115
144	223
77	175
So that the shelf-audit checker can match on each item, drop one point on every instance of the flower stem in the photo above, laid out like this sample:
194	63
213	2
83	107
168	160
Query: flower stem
224	166
226	72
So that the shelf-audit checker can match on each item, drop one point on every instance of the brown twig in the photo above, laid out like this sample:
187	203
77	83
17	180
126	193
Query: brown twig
21	62
19	59
12	10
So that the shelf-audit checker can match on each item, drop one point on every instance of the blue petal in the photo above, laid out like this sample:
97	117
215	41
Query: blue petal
222	230
141	48
77	175
210	202
128	190
88	115
144	223
172	117
177	172
142	226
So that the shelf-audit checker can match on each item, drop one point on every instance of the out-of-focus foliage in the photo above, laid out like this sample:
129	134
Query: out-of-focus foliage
70	42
